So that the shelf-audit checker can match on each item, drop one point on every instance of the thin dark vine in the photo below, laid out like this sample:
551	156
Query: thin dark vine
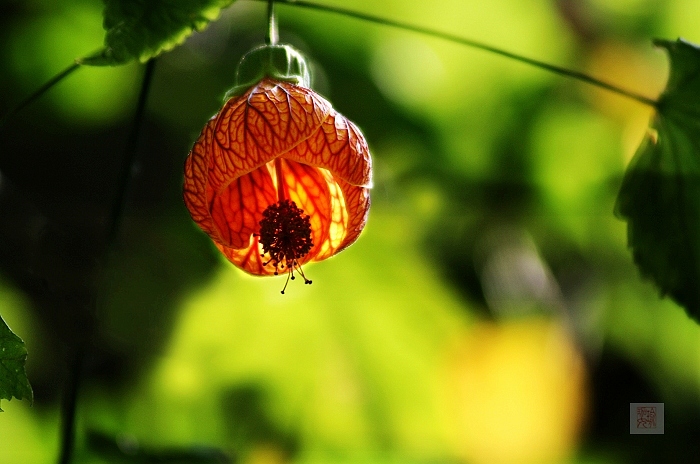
70	395
580	76
39	92
271	38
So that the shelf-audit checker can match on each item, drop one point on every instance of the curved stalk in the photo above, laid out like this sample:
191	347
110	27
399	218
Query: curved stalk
580	76
272	34
39	92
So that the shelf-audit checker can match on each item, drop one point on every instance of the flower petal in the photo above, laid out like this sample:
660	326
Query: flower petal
338	226
237	210
307	187
196	179
230	175
248	132
268	120
357	206
249	258
338	146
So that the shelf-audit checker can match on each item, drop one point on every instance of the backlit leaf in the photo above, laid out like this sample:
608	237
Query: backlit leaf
660	193
13	355
142	29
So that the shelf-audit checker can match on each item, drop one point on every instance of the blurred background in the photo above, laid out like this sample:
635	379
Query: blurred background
489	313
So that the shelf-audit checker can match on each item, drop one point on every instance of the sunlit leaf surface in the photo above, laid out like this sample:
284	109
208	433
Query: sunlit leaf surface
660	194
140	30
13	354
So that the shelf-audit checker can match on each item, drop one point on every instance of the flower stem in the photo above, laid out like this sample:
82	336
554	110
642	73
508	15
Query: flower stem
478	45
272	33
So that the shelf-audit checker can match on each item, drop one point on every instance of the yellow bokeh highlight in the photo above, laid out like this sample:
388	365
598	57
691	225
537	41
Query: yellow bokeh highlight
515	393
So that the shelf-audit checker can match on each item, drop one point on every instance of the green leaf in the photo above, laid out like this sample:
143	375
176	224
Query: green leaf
660	193
142	29
13	377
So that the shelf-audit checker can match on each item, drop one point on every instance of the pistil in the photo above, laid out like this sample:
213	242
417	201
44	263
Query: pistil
285	232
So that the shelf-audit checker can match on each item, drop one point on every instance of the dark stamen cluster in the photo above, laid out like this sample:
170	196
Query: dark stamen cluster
285	235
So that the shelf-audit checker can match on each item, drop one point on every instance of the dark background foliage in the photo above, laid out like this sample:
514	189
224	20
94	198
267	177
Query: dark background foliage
491	230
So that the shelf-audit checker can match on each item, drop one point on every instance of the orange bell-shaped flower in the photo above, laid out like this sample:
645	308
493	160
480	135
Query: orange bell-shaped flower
278	178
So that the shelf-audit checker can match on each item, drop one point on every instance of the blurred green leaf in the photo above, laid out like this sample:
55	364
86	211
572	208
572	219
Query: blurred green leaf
660	193
142	29
13	355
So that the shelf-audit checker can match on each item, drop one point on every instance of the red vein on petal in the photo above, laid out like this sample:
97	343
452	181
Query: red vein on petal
306	186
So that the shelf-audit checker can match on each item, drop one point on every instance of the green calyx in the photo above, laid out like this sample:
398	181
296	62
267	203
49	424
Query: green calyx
280	62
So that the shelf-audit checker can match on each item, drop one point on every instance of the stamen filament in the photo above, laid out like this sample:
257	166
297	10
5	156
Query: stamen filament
280	180
285	284
285	235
